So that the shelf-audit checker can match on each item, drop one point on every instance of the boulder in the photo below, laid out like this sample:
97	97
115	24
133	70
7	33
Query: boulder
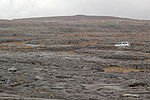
131	95
13	69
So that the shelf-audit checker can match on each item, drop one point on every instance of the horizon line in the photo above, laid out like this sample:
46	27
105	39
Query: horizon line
36	17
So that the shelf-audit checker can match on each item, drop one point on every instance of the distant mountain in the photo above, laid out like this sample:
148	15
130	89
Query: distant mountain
74	18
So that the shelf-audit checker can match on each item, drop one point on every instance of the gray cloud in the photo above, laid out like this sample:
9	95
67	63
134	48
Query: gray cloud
34	8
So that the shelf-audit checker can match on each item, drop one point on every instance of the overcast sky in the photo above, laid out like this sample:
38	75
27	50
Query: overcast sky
10	9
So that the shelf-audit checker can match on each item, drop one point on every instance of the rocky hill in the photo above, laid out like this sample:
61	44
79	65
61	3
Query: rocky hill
78	23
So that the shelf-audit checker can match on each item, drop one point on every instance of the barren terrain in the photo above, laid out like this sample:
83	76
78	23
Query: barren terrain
74	58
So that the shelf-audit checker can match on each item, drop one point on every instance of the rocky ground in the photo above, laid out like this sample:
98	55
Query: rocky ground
62	76
47	59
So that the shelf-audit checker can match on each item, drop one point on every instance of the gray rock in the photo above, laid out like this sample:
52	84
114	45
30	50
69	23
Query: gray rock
131	95
38	77
134	83
13	69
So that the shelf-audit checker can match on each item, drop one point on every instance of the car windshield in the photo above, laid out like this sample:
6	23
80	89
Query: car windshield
123	43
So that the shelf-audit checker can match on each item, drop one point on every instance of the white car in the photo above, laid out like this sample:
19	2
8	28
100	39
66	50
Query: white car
123	44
